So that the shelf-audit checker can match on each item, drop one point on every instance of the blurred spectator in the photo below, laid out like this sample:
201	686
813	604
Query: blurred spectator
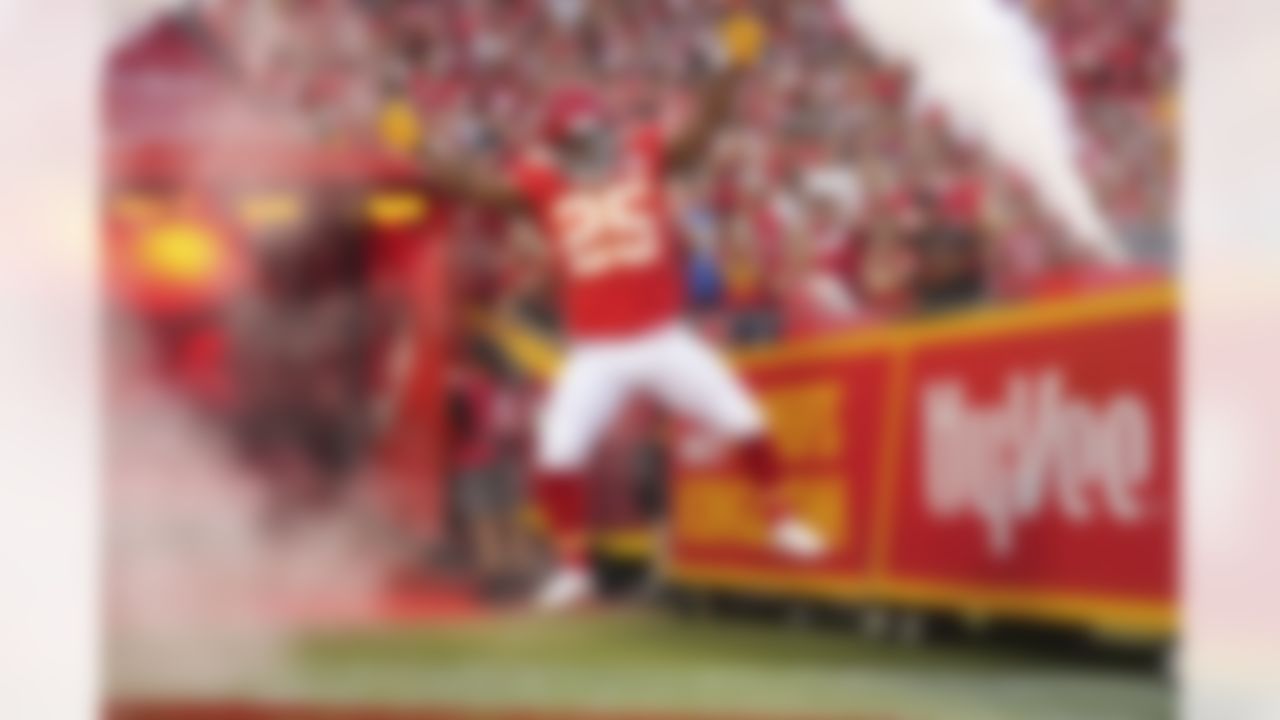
302	343
949	268
748	293
485	478
884	274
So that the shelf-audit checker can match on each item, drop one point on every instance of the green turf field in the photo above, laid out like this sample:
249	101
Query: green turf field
638	661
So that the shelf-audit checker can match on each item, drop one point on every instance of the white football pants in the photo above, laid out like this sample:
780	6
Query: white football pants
670	364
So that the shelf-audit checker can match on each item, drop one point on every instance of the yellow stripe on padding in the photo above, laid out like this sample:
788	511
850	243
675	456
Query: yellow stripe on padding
530	350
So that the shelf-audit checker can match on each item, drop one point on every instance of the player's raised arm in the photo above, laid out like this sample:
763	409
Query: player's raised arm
470	182
741	42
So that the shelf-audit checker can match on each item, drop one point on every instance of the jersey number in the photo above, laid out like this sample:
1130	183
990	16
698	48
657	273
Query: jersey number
606	230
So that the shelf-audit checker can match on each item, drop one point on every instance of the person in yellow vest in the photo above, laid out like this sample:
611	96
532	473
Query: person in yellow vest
400	130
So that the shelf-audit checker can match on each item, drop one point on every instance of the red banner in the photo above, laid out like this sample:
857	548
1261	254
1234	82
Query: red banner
1013	461
825	422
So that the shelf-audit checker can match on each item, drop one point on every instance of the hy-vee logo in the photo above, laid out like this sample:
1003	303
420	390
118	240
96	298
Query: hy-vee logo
1037	446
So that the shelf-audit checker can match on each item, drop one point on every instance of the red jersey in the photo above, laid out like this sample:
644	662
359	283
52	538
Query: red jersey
612	242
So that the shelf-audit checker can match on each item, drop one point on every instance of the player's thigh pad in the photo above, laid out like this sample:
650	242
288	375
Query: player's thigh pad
583	400
699	383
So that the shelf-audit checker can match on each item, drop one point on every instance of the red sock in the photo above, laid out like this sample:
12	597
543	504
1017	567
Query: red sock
561	498
758	458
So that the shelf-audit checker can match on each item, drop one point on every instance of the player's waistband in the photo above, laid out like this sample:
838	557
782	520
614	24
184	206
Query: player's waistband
641	336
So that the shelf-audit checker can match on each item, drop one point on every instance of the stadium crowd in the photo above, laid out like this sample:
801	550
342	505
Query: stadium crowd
834	196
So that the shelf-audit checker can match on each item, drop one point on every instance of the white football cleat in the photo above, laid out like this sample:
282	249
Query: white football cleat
796	539
567	587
